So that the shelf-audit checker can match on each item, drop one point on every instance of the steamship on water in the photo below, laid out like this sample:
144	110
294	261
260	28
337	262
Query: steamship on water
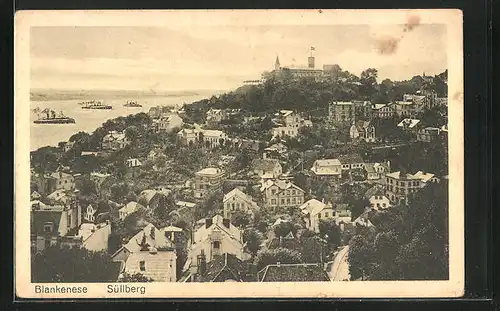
132	103
94	104
48	116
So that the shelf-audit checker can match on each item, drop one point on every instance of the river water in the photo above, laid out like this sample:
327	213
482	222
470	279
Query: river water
88	120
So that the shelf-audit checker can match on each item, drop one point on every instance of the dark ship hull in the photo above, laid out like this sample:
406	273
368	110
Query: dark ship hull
132	105
98	107
55	121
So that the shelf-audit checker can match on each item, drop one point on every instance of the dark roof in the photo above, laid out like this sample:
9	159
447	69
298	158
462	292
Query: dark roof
40	217
265	164
228	263
293	273
375	190
350	159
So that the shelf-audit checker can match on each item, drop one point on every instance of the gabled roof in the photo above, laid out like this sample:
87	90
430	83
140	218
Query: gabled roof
409	123
158	240
363	221
203	232
35	196
375	190
171	229
131	207
209	171
277	147
265	164
226	262
185	204
362	125
351	159
237	192
312	207
40	217
293	273
281	184
133	162
425	177
146	196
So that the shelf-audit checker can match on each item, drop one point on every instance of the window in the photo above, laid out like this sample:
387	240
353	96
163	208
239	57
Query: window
232	206
273	201
273	191
326	214
288	201
282	201
319	216
47	243
142	265
217	244
378	204
294	192
288	192
294	200
47	227
384	205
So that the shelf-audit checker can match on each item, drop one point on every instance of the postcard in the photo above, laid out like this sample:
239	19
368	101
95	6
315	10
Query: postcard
239	153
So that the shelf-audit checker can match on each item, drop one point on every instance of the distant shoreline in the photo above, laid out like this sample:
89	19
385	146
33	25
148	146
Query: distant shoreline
45	95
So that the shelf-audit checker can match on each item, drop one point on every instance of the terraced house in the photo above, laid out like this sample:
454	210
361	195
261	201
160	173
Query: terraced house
280	193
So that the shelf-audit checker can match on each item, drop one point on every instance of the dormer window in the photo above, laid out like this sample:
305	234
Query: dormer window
216	244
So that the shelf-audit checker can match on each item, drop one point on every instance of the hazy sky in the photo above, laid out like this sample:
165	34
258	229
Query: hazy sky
221	57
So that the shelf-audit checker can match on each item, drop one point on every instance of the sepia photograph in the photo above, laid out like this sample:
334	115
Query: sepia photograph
291	153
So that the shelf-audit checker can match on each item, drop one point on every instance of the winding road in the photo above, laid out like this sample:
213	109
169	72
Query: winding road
340	266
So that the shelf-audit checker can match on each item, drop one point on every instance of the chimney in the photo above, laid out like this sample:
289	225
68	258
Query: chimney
226	222
202	263
208	222
389	165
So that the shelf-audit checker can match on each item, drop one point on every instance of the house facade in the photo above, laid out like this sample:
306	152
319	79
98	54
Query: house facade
382	111
215	236
314	211
288	123
114	141
149	253
428	134
364	130
50	223
238	200
63	180
280	193
169	121
399	186
351	161
207	180
327	168
267	168
341	111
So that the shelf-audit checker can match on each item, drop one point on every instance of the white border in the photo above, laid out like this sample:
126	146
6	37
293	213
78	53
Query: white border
452	18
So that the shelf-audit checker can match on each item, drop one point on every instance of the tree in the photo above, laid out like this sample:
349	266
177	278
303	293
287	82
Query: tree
272	256
132	133
72	265
329	230
134	278
240	218
253	239
284	228
409	242
160	161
